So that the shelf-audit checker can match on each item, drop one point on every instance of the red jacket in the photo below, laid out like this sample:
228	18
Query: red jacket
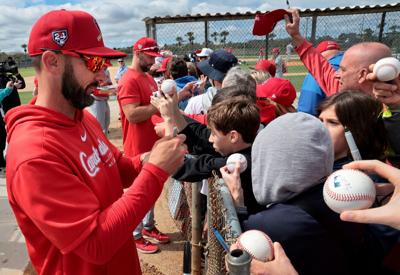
65	185
319	67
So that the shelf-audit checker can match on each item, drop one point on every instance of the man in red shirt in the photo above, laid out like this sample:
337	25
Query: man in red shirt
134	90
354	74
66	191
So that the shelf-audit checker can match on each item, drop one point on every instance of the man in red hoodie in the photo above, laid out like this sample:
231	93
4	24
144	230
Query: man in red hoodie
66	191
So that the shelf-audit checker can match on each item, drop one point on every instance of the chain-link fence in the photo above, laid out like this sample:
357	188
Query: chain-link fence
221	216
347	26
223	219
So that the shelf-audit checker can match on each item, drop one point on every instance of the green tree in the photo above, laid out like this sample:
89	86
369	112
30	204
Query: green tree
368	35
190	37
223	35
214	36
24	46
179	40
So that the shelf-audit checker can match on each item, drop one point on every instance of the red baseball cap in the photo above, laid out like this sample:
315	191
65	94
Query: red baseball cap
275	50
267	66
279	90
267	111
148	46
264	23
327	45
69	31
164	65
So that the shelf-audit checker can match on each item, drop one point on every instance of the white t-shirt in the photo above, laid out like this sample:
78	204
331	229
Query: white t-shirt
195	105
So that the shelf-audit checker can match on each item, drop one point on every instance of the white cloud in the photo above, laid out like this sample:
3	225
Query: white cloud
121	20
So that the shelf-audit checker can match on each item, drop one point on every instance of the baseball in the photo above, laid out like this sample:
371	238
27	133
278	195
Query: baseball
257	244
232	159
387	69
349	189
167	86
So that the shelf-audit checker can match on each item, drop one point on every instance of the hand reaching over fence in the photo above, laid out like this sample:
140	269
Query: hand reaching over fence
232	180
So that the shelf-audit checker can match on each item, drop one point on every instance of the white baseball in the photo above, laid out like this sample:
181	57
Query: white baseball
387	68
349	189
257	244
232	159
167	86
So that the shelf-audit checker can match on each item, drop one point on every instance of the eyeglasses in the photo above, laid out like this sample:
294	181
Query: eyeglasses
94	63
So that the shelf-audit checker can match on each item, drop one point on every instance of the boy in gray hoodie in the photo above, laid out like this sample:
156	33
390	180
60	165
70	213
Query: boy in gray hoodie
291	158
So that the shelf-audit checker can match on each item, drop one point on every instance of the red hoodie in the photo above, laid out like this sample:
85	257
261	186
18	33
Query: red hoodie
64	183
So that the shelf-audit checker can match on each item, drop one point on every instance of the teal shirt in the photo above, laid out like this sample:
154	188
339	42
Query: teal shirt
5	92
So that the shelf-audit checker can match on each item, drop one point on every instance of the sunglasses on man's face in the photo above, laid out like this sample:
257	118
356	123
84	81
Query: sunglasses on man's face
94	63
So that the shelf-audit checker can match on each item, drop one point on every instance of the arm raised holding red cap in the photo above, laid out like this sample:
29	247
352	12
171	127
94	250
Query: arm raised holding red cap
315	63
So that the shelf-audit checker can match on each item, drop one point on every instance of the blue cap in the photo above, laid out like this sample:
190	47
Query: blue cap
218	65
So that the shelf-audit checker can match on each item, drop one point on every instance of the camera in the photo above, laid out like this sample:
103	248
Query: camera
8	69
8	66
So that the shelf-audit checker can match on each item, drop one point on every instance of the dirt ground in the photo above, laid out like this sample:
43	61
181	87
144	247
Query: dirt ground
169	259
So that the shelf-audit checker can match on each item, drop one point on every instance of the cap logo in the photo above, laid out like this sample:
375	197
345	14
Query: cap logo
99	37
140	46
60	37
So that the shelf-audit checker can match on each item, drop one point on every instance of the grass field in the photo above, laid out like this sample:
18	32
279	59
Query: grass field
25	97
27	71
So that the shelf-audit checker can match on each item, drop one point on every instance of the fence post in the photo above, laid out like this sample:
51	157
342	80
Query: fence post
238	262
196	229
206	33
153	30
382	26
313	29
148	29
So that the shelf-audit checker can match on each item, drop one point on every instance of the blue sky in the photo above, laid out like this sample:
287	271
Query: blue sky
121	20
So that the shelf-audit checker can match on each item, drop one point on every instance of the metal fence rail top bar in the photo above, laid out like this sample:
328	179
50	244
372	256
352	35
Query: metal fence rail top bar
250	15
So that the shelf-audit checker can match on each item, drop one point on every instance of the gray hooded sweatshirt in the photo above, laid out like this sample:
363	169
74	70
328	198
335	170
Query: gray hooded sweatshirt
290	155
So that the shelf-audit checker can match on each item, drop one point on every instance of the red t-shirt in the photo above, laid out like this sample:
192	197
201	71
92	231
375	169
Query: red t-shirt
66	193
136	87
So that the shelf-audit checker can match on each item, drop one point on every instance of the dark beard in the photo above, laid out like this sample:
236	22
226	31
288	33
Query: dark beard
74	92
144	69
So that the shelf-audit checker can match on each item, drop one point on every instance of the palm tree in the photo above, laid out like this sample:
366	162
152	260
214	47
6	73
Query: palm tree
214	36
223	35
179	40
24	46
190	36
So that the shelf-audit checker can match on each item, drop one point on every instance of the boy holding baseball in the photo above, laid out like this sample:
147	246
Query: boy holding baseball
232	127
